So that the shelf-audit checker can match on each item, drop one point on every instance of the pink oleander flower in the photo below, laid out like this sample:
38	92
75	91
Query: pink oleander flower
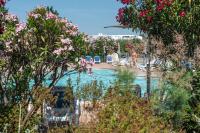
70	48
144	13
65	48
161	3
168	2
8	44
120	15
117	18
129	46
75	28
50	15
69	24
66	41
63	20
125	1
149	19
73	33
57	51
34	15
158	1
182	14
20	27
160	7
121	12
60	50
11	17
2	2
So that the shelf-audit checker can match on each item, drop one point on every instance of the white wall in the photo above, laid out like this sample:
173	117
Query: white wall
116	37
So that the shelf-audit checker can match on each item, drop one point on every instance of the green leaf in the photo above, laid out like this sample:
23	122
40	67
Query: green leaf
42	38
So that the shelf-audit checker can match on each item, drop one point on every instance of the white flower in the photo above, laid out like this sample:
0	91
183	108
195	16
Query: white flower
11	17
8	45
75	27
71	48
50	15
20	27
66	41
58	51
34	15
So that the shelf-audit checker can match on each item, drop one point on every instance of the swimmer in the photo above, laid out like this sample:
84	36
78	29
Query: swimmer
90	64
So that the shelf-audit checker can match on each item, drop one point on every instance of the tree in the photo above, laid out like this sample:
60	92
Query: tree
192	119
46	46
162	20
136	43
172	23
103	45
171	99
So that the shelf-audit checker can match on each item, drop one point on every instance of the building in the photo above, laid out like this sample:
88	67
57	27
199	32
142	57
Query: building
117	37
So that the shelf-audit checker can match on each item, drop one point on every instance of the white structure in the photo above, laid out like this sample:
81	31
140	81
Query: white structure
117	37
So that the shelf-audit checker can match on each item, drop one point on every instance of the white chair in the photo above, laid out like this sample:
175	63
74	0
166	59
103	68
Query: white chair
109	59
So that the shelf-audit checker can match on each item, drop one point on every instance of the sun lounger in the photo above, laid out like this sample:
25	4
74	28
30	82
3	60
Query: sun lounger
154	63
124	62
141	67
88	58
97	59
109	59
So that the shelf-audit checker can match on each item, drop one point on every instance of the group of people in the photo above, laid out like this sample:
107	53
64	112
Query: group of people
86	66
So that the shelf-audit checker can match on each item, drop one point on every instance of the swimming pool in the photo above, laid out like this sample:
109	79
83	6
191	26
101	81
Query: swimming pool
107	77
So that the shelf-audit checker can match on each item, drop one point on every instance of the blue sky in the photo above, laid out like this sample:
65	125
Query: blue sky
90	15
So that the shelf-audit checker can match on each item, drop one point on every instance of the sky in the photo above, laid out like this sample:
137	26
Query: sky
90	15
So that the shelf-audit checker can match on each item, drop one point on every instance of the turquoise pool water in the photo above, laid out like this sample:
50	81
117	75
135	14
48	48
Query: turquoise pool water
105	75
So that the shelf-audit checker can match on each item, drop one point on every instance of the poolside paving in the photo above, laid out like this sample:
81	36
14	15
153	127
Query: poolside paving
138	72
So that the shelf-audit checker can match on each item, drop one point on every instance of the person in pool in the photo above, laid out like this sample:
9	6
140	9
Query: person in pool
83	65
89	66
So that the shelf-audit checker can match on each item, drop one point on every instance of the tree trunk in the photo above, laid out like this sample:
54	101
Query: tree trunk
148	66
